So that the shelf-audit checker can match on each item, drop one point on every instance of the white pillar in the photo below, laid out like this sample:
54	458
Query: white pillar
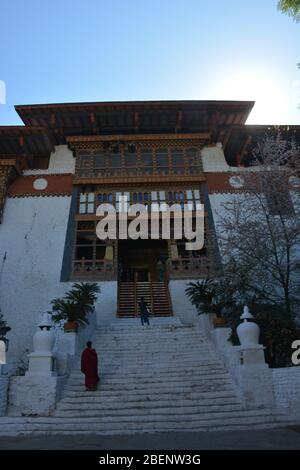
36	392
253	374
41	361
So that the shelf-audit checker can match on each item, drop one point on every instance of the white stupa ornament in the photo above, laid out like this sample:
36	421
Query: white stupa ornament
41	359
45	321
246	315
248	332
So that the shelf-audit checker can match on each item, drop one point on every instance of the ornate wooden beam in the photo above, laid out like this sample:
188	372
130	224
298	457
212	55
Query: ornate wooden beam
139	137
128	180
179	121
53	120
136	121
94	123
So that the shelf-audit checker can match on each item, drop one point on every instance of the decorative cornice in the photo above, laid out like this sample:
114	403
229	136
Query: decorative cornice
226	191
38	194
138	137
130	180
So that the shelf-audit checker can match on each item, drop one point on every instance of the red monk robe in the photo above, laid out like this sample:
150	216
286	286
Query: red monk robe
89	367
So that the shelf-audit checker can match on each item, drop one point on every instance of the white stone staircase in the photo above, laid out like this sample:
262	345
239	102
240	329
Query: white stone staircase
166	377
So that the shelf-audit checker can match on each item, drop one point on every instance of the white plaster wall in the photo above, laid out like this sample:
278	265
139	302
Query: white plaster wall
33	236
107	303
213	159
216	201
32	396
61	161
182	307
286	385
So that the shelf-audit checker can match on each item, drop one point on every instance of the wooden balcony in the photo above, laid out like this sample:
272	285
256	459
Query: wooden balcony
188	268
94	270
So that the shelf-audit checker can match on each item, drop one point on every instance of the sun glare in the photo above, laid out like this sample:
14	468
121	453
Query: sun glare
271	99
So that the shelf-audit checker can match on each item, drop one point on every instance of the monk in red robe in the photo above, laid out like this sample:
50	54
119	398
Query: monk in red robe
89	367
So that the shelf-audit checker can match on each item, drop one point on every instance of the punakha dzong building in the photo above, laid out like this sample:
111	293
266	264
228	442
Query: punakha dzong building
68	158
180	373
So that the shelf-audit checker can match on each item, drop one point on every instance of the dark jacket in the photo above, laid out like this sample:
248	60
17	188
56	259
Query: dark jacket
144	309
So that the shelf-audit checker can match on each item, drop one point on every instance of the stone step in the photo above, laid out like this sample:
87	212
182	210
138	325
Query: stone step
277	415
158	381
154	418
158	390
14	430
155	347
148	330
116	425
130	395
135	400
157	384
43	431
204	372
10	426
189	341
125	367
151	332
71	405
135	323
72	409
117	371
134	349
106	363
158	320
136	327
169	354
117	342
168	349
173	380
131	344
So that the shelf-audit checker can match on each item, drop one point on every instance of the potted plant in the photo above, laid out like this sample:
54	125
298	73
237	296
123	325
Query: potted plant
74	308
205	295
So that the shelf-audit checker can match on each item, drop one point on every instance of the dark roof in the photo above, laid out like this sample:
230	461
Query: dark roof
129	117
242	140
47	125
25	141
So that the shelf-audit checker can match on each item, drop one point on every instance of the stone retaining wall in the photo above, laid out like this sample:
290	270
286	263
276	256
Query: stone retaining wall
286	385
3	394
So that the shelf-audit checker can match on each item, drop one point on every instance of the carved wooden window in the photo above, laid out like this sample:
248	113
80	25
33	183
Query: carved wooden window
100	160
192	160
88	246
141	158
89	201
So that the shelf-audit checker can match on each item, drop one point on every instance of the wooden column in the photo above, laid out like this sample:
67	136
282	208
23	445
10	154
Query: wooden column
9	170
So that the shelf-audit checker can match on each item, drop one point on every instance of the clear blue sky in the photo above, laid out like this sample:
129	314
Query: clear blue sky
104	50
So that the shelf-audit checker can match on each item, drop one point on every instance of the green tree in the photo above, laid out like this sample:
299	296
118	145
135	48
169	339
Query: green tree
291	8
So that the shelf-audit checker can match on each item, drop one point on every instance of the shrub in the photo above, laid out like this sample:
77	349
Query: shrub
77	303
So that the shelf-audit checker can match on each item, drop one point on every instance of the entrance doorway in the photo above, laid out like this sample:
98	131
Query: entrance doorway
143	274
142	260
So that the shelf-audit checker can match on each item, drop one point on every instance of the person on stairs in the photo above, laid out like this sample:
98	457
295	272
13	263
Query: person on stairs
89	367
144	312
